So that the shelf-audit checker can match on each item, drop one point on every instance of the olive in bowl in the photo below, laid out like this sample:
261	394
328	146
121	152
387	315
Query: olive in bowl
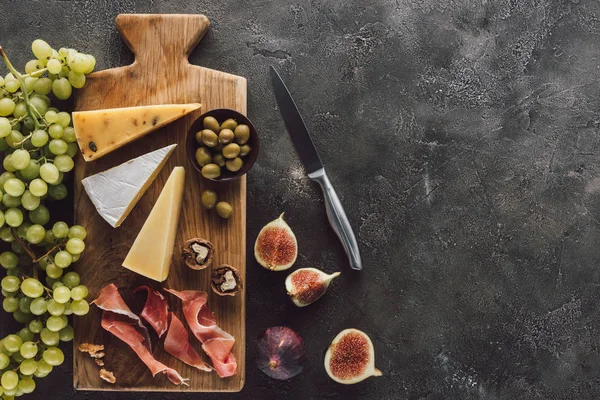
222	145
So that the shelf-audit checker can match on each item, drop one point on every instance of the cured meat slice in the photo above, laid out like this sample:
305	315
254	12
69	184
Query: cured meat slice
216	343
178	345
156	310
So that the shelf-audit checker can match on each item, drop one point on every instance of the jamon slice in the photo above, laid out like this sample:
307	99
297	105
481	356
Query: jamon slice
156	310
216	343
178	345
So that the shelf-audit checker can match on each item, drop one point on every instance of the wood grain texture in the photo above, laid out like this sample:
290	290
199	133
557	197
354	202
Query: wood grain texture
160	74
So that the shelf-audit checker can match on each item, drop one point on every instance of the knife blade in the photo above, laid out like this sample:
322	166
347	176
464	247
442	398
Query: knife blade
309	157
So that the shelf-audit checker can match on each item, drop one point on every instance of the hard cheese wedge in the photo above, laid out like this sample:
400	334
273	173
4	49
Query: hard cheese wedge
152	250
101	131
116	191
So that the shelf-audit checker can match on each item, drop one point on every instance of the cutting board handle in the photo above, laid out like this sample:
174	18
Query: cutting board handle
162	39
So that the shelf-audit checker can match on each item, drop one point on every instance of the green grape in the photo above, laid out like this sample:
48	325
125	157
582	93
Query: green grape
26	385
51	116
22	230
55	308
30	202
1	218
7	163
20	109
77	80
54	323
13	272
16	247
80	307
14	187
38	187
57	284
7	294
14	139
64	163
32	66
20	159
60	229
21	317
10	304
40	215
4	361
32	287
79	63
43	366
77	232
5	127
41	50
29	81
50	240
12	343
24	304
9	260
10	379
68	310
53	271
12	86
53	356
71	148
10	201
79	292
35	234
10	283
76	257
61	294
75	246
39	138
48	337
36	325
61	176
4	146
66	334
43	86
71	280
64	119
61	88
28	124
56	130
13	217
57	146
54	66
26	335
5	176
39	103
29	349
68	134
49	173
28	366
63	259
31	171
7	106
17	357
45	260
38	306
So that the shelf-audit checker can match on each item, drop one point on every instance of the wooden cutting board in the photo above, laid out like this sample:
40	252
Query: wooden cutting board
160	74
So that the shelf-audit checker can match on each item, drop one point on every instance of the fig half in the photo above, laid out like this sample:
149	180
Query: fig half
351	358
306	285
276	247
281	353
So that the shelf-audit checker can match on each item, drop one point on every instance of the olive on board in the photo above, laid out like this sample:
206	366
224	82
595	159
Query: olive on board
231	150
244	150
203	156
229	124
234	165
209	199
226	136
212	124
209	138
242	134
219	160
211	171
224	209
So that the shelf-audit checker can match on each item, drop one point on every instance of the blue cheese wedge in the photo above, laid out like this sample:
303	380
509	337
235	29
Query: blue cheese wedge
116	191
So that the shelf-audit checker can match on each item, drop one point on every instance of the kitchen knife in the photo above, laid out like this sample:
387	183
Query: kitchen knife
314	167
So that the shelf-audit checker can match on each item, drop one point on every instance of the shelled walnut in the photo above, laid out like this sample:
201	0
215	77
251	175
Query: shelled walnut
225	280
197	253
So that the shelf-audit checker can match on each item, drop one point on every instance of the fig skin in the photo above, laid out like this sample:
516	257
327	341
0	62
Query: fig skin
216	276
350	357
276	247
307	285
189	255
281	353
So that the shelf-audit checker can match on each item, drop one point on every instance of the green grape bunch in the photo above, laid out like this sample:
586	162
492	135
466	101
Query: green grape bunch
38	144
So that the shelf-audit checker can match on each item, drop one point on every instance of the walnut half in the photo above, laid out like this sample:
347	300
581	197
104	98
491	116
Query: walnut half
225	280
197	253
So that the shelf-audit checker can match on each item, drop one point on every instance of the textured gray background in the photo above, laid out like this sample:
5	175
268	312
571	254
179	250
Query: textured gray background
462	137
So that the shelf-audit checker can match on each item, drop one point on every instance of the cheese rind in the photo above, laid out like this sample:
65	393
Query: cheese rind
151	252
101	131
116	191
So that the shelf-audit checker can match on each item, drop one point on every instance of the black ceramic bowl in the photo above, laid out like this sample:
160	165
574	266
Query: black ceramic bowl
221	114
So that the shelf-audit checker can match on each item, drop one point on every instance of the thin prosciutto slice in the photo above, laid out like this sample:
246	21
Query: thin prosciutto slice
178	345
216	343
119	320
156	310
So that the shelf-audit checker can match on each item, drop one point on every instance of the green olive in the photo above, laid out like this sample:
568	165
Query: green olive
224	209
209	138
234	165
219	160
212	124
226	136
203	156
244	150
231	150
211	171
199	137
209	199
242	134
229	124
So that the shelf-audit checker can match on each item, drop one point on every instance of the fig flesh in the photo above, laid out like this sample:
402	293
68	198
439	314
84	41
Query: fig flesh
276	247
281	353
350	358
307	285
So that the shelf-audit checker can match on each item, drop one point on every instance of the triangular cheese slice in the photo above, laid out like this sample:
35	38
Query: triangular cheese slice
150	255
116	191
101	131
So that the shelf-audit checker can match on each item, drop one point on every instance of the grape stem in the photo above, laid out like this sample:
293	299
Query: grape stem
18	75
29	252
37	260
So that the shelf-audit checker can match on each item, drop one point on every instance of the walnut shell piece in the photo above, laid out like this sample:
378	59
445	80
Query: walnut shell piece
197	253
108	376
225	280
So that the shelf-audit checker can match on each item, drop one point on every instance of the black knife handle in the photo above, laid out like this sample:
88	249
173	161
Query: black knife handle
338	219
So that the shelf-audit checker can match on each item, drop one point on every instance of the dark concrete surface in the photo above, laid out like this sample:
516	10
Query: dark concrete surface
463	139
